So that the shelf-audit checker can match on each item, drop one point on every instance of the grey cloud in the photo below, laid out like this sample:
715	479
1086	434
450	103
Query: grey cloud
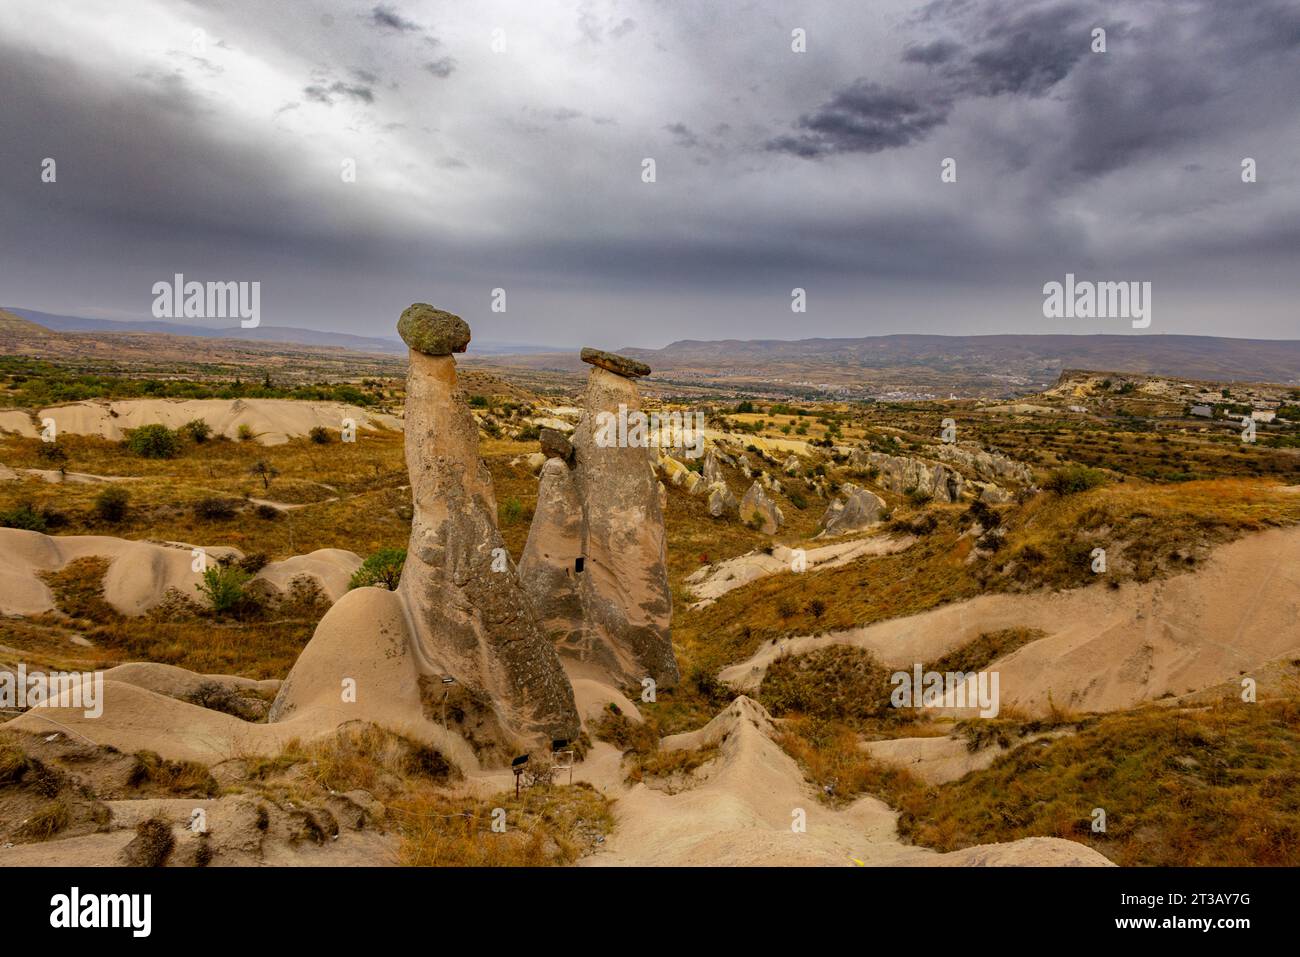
932	53
320	93
386	18
863	118
442	68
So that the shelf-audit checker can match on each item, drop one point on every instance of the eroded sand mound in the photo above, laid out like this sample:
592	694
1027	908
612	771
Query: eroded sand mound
744	802
711	582
1105	649
141	573
272	421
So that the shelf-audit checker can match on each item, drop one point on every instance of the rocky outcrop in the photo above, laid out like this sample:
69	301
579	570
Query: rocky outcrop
987	465
721	502
757	508
902	474
791	466
594	563
712	468
854	510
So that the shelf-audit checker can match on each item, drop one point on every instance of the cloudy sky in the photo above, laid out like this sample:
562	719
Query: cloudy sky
501	145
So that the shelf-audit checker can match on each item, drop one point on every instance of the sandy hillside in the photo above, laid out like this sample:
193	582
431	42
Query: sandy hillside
272	421
141	573
1106	649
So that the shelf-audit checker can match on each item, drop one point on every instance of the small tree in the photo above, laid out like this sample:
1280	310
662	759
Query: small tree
383	569
265	471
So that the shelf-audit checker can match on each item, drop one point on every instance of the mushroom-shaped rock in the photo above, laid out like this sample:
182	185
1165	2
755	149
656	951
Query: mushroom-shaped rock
610	614
433	331
613	362
757	508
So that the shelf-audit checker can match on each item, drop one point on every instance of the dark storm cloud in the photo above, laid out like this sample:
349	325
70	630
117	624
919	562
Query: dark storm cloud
320	93
387	18
528	177
441	68
932	53
863	118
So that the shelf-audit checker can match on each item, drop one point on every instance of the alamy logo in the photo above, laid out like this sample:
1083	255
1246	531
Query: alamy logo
672	430
103	910
21	690
1085	299
179	299
952	689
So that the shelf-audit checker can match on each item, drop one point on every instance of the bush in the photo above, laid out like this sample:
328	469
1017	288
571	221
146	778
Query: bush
382	569
197	431
244	433
154	442
214	509
839	682
320	435
1073	479
223	587
512	510
110	504
52	453
26	516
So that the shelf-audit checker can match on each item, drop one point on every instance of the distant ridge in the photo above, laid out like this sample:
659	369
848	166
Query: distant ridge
383	345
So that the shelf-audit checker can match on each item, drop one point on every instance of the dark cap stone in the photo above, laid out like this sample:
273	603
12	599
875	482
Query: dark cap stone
434	332
616	363
556	444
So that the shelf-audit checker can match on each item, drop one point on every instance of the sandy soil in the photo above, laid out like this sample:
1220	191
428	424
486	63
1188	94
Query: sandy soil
1106	649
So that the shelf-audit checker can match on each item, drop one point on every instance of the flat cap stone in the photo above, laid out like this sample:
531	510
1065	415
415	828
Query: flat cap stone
434	332
614	362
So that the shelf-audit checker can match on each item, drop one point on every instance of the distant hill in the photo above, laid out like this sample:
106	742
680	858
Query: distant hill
384	345
1199	357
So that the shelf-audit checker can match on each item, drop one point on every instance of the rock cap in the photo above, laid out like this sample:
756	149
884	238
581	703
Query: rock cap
613	362
433	331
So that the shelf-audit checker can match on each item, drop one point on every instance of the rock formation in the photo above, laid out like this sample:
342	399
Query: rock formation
594	563
712	468
901	473
461	612
721	502
855	510
757	507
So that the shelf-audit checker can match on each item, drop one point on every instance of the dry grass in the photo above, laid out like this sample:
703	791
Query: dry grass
1212	786
830	755
545	826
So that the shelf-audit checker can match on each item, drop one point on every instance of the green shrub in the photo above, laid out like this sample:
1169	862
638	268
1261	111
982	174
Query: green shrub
197	431
110	504
213	509
52	453
512	510
154	442
382	569
320	435
1073	479
244	433
223	587
24	515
